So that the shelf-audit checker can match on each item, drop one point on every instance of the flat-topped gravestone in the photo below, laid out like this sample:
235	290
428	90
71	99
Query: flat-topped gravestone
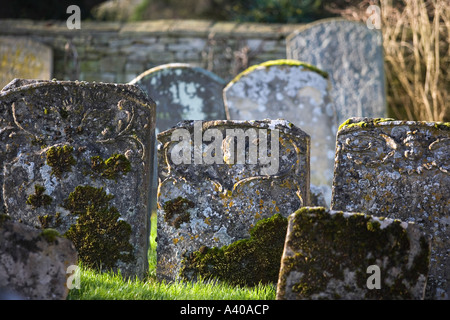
294	91
21	57
399	169
352	54
219	178
182	92
77	157
342	255
34	264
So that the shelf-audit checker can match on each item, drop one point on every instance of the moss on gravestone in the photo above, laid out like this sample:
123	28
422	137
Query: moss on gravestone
112	167
99	235
176	211
50	234
39	199
244	262
281	62
361	122
60	159
333	248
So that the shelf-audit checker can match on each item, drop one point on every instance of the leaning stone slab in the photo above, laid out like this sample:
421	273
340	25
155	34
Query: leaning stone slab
353	256
401	170
297	92
77	157
34	263
219	178
22	57
352	54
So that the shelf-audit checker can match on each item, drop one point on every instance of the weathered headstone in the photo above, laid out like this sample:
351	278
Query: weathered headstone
77	157
22	57
341	255
219	178
399	169
182	92
294	91
352	54
34	263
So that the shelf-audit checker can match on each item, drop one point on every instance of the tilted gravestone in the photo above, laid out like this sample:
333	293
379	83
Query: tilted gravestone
342	255
34	264
294	91
21	57
77	157
219	178
399	169
182	92
352	54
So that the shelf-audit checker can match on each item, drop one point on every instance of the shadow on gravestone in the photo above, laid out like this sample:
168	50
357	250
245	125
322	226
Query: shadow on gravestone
352	256
399	169
77	157
352	54
33	262
299	93
181	92
22	57
218	178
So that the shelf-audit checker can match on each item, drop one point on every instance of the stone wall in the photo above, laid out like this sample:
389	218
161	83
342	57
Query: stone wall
118	52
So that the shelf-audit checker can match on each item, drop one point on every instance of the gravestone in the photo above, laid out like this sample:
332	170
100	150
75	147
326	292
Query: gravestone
219	178
77	157
181	92
24	58
34	263
342	255
352	54
297	92
399	169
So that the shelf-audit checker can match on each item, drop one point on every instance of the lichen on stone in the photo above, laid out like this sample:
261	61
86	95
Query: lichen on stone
244	262
99	235
176	211
442	125
39	199
362	122
60	159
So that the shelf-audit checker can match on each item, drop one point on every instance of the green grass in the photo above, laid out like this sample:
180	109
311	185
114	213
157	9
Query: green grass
111	286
